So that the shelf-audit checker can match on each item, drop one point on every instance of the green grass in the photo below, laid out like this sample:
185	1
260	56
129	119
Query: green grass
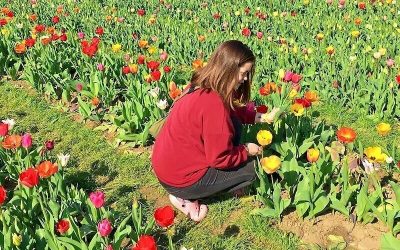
363	124
95	163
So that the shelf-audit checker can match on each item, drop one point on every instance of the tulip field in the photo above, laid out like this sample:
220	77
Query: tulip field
120	65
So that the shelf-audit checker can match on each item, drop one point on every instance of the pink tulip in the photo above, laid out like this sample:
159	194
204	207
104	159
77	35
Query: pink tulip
26	141
100	67
81	35
342	2
79	87
259	35
390	62
288	76
109	247
329	1
164	56
104	227
97	198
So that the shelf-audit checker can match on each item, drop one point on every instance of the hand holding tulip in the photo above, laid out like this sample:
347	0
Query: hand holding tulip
253	149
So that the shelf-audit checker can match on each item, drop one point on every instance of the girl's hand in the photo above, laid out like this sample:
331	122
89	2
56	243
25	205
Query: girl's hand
253	149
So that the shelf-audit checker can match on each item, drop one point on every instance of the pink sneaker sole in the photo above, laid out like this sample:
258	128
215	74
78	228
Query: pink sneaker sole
193	210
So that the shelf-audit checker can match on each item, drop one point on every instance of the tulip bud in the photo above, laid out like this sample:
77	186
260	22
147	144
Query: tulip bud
26	141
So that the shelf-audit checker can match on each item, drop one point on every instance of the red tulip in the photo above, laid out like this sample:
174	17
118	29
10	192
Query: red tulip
3	195
361	5
3	22
246	32
30	42
62	226
296	78
39	28
167	69
247	10
126	70
145	242
3	129
63	37
153	65
49	144
263	91
217	16
29	177
398	79
306	103
141	59
155	75
164	216
55	19
141	12
262	109
99	31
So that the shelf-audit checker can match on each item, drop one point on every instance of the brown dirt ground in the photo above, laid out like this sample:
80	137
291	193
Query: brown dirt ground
316	232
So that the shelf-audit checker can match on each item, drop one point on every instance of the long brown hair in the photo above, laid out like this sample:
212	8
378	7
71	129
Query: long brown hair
222	70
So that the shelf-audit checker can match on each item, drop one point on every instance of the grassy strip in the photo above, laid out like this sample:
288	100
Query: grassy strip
96	164
363	124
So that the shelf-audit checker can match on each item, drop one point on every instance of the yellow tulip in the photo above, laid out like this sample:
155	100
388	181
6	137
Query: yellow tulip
270	164
297	109
293	93
5	32
16	239
237	13
320	36
312	155
116	48
264	137
383	128
281	73
382	51
152	49
330	50
375	155
355	33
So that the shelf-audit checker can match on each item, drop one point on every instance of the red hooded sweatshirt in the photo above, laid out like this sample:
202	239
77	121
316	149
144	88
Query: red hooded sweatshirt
197	135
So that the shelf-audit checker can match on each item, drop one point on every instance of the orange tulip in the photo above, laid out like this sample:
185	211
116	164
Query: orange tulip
174	91
197	64
33	17
312	155
95	101
311	96
46	169
12	142
20	48
346	135
51	30
143	43
45	40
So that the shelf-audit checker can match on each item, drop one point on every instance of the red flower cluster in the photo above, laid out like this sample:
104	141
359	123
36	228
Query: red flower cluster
90	49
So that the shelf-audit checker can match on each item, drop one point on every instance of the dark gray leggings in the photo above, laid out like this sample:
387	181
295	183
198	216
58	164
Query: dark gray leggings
218	180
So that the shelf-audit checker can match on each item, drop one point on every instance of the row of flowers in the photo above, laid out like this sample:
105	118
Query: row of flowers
39	210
